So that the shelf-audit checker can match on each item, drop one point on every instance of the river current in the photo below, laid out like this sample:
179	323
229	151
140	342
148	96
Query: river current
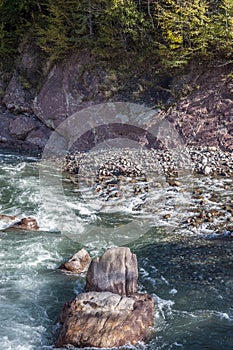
189	276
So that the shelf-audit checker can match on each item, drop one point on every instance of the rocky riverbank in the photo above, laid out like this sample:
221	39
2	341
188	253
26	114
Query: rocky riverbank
170	187
138	163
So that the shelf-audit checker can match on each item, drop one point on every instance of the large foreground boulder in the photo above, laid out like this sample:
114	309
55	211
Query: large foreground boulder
115	271
106	320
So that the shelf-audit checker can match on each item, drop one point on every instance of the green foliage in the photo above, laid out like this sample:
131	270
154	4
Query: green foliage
190	30
172	31
222	28
66	26
16	18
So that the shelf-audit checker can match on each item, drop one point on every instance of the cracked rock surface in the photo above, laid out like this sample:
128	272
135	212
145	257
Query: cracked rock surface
115	271
105	319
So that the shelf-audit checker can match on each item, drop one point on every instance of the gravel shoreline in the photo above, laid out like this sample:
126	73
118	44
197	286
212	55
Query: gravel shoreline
209	161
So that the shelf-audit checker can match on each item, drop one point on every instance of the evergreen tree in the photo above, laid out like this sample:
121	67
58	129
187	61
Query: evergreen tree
174	31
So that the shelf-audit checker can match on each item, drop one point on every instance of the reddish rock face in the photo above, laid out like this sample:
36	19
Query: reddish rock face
115	271
106	320
205	116
68	89
78	263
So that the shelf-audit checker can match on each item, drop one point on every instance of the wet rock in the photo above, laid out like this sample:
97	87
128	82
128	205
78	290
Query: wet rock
115	271
7	217
27	224
167	216
106	320
174	183
78	263
7	220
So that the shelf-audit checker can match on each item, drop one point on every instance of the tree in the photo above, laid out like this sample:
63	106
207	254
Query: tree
184	27
15	18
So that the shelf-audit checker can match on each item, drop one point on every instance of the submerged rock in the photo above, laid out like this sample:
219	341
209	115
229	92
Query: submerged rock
115	271
78	263
106	320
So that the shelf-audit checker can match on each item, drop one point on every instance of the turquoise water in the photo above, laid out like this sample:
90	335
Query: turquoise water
190	278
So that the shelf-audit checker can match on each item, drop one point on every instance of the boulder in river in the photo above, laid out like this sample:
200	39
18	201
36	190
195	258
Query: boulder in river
78	263
105	319
111	313
13	223
115	271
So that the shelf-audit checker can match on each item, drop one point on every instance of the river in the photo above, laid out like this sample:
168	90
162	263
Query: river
189	276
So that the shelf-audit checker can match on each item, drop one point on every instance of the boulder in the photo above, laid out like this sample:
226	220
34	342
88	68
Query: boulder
105	320
27	224
21	126
115	271
38	136
78	263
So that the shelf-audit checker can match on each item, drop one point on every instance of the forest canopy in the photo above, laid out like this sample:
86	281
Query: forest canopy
172	31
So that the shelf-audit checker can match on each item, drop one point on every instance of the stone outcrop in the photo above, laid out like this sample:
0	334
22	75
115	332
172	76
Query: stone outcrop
78	263
111	313
115	271
28	73
69	87
105	320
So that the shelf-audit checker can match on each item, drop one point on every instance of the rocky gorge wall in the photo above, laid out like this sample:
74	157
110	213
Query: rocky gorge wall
38	97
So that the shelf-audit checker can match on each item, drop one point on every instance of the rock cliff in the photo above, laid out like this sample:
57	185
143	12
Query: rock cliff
39	96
